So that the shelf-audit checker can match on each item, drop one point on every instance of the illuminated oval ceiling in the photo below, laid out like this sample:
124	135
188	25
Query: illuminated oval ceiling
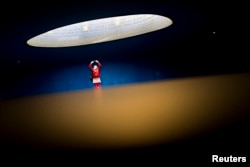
100	30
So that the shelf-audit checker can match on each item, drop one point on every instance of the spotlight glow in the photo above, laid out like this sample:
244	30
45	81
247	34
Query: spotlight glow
100	30
128	116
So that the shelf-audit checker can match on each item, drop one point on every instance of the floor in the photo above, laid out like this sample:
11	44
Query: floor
126	117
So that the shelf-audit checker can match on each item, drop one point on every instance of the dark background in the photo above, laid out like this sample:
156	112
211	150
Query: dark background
206	38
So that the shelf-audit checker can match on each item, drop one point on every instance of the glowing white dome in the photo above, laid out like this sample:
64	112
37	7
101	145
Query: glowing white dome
100	30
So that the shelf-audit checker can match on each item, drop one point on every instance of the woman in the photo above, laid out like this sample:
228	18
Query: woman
95	68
